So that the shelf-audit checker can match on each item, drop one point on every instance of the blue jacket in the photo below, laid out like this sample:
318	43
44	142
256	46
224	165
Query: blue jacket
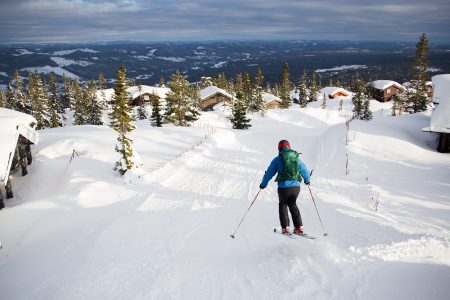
276	166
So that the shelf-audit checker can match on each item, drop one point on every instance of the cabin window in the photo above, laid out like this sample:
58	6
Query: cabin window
146	97
388	91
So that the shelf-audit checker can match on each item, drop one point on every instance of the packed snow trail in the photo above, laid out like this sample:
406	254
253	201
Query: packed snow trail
166	235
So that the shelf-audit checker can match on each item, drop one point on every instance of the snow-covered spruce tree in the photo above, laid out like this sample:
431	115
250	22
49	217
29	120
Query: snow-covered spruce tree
80	116
239	111
180	107
141	110
247	91
161	81
10	97
54	103
39	102
303	97
313	88
341	104
18	93
419	76
156	119
324	101
258	89
102	88
285	87
121	121
2	99
69	98
95	117
367	113
239	114
361	109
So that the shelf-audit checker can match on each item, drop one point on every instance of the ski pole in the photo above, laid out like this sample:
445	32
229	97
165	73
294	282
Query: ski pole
232	235
325	234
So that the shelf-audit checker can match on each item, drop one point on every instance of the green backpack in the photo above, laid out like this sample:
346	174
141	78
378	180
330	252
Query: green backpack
290	166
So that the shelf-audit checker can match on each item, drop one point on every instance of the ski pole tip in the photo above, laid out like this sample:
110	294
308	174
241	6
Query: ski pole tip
325	234
232	236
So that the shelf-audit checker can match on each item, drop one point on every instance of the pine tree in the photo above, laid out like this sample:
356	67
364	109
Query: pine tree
2	99
10	97
39	102
102	88
285	87
239	110
121	122
156	118
367	113
30	91
324	101
95	105
361	102
69	97
54	103
79	103
419	98
303	96
314	89
18	93
180	105
259	101
161	81
247	91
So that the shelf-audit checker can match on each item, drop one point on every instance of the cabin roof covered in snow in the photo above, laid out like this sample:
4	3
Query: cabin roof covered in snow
440	118
211	90
268	97
134	92
384	84
331	90
13	124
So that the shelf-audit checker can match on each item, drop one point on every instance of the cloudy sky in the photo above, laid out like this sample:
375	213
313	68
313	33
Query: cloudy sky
100	20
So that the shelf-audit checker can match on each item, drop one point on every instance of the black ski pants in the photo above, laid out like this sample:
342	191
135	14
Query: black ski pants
287	198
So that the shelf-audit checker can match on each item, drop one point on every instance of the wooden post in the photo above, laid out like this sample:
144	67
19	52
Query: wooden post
1	198
22	161
8	187
29	156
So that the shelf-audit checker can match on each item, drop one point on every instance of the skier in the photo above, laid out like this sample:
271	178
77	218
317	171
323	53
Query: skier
291	170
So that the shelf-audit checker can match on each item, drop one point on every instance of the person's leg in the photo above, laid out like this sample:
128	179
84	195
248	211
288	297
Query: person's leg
292	204
282	207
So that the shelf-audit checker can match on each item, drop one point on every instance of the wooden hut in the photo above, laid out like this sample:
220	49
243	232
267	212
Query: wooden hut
333	92
212	95
17	134
271	101
440	117
137	94
383	90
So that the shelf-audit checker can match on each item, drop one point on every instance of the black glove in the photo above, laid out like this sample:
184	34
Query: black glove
261	186
307	182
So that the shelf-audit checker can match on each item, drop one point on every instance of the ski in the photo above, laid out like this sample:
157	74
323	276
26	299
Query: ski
292	235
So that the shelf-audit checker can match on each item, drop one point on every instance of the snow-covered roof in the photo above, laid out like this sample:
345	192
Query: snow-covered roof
211	90
13	124
384	84
440	118
332	90
134	92
268	97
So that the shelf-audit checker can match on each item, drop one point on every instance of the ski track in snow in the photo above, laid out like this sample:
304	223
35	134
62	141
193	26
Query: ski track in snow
166	235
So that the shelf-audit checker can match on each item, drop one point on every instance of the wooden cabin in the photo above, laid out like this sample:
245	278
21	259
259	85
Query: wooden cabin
18	132
144	98
333	92
271	101
440	117
212	95
383	90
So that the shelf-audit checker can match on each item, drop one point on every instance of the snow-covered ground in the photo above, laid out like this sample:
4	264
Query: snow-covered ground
78	231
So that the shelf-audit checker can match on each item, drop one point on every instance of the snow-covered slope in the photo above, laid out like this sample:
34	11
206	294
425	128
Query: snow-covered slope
77	231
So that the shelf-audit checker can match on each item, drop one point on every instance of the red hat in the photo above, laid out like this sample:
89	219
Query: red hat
283	143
